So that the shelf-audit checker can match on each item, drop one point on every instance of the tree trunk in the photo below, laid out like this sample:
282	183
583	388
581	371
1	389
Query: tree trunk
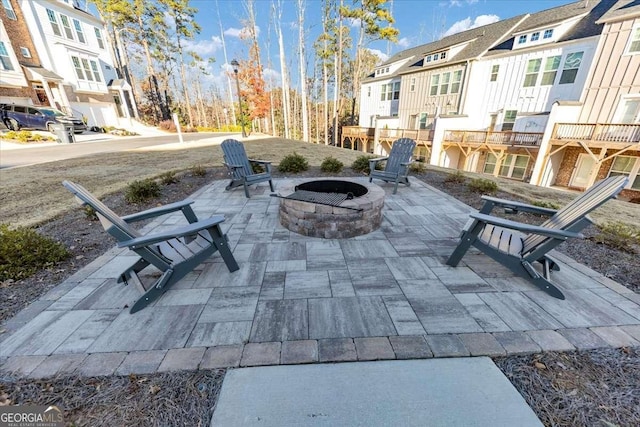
226	61
303	74
283	74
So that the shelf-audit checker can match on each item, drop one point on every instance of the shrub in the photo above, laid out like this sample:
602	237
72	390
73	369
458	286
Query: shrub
198	170
331	164
620	236
167	125
90	213
140	191
257	168
456	178
169	177
24	136
361	164
482	185
23	252
418	167
293	163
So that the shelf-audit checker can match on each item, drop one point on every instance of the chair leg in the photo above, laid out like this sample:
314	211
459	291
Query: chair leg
370	179
395	187
159	288
140	265
542	282
271	185
246	190
221	243
466	239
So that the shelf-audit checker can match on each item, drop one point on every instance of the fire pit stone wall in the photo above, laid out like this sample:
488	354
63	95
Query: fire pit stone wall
333	222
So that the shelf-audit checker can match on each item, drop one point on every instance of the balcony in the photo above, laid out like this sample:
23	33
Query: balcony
525	139
357	132
597	133
421	136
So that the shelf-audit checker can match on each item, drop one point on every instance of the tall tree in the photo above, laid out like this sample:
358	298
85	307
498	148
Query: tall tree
185	29
226	61
286	104
375	23
303	72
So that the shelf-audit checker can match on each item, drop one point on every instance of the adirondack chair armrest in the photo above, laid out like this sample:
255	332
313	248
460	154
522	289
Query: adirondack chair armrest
526	228
377	159
154	212
514	207
233	166
262	162
187	230
407	163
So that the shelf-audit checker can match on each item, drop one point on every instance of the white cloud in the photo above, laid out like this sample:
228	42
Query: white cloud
204	47
404	42
240	32
467	24
383	56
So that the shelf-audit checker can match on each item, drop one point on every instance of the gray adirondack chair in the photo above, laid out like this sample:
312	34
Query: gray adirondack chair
175	253
518	246
396	167
240	167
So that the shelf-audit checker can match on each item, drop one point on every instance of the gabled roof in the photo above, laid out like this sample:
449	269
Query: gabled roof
585	27
622	10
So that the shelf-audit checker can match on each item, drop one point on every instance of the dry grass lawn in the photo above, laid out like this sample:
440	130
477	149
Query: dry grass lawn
33	195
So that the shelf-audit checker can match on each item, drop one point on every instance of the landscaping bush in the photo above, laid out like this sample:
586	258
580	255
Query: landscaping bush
198	170
24	136
545	204
140	191
455	178
23	252
167	125
482	185
293	163
332	165
169	177
90	213
418	167
620	236
361	164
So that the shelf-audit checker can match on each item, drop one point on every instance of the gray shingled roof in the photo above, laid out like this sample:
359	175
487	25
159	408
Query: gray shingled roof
623	9
497	38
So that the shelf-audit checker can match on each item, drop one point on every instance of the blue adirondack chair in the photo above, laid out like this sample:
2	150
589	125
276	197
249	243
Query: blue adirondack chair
518	246
396	168
240	167
175	253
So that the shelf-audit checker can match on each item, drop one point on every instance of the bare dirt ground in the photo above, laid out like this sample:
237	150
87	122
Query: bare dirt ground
598	387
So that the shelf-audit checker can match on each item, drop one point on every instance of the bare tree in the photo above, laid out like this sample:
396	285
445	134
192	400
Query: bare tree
303	72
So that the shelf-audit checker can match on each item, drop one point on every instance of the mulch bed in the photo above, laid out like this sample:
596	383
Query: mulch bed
598	387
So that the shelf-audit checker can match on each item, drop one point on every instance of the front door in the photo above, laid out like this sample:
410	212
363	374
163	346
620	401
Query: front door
584	168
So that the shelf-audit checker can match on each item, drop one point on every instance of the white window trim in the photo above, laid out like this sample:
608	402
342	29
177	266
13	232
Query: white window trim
633	173
6	5
26	50
12	59
628	46
623	100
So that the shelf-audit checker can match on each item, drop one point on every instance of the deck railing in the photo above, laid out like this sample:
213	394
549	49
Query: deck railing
601	132
417	135
358	131
530	139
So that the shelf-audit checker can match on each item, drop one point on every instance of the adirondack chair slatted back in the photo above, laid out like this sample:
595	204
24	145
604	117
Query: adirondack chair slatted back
594	197
401	152
108	218
234	154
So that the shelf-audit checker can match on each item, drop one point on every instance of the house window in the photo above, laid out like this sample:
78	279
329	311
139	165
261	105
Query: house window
25	52
490	164
5	61
396	90
96	72
514	166
509	120
629	166
634	44
455	83
629	111
412	85
79	32
435	80
571	66
423	121
87	70
54	22
548	34
9	9
385	93
550	70
533	67
444	84
67	26
78	67
535	36
428	58
522	39
443	55
494	73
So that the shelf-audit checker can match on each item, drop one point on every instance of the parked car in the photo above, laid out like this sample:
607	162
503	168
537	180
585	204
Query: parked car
16	116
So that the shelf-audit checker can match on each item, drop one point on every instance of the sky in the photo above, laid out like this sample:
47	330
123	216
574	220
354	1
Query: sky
419	22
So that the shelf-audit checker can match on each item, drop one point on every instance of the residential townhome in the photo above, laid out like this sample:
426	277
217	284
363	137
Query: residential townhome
31	85
75	65
600	136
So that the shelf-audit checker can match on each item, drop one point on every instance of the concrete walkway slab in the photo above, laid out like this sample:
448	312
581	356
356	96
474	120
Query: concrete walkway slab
434	392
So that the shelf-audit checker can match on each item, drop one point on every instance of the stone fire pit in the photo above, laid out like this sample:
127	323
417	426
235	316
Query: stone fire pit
360	214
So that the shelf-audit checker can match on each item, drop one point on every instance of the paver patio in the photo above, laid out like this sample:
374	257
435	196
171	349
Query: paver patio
295	299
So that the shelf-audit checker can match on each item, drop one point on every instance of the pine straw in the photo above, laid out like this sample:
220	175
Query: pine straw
591	388
164	399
